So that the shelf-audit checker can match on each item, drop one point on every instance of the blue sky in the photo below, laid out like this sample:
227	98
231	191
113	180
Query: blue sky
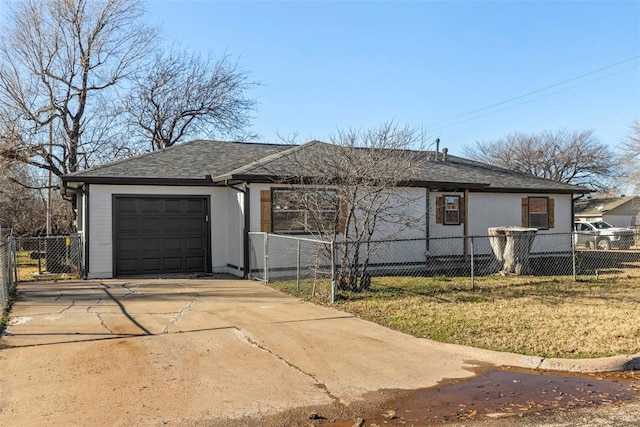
334	65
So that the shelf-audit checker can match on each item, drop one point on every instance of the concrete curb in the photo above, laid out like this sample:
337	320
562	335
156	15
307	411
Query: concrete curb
602	364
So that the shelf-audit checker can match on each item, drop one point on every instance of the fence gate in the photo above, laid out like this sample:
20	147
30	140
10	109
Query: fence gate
46	257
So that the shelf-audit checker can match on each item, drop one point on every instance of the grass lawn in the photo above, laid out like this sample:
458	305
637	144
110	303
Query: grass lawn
543	316
29	268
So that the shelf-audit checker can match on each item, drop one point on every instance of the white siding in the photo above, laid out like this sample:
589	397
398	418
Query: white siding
503	209
101	227
620	220
486	210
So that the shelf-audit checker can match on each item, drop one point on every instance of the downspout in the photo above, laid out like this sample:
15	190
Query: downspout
85	232
85	226
246	203
573	200
247	227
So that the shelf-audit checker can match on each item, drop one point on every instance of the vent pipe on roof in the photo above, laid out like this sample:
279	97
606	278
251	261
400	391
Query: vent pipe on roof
445	151
437	147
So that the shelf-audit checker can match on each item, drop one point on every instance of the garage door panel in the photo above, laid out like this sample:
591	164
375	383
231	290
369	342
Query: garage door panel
157	235
128	266
150	244
195	264
194	225
174	264
150	265
194	243
150	205
150	224
173	225
128	245
196	206
126	205
173	206
172	244
126	225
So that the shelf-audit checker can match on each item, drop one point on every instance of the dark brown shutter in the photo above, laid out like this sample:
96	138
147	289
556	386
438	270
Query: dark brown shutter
265	211
525	212
439	210
463	209
551	213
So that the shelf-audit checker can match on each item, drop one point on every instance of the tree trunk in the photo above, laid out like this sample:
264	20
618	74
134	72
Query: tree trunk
511	247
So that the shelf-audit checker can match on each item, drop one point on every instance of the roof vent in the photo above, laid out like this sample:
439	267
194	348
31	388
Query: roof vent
445	151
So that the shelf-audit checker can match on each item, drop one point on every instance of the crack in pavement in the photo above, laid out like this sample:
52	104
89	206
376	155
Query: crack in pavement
179	316
244	336
73	302
104	325
129	290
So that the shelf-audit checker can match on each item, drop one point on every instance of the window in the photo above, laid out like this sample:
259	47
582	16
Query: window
451	210
539	212
302	211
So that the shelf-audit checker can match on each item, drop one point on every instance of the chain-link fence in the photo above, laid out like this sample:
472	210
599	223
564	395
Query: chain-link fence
306	263
47	257
7	271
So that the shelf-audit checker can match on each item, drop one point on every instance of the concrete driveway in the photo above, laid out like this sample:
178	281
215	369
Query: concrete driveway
191	351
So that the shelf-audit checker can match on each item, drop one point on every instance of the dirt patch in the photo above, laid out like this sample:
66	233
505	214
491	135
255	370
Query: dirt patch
506	397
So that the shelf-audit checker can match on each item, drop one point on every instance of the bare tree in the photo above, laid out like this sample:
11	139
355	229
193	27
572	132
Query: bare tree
574	157
631	154
61	62
349	191
183	95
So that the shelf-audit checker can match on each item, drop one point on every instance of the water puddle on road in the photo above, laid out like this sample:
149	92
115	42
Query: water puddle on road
503	393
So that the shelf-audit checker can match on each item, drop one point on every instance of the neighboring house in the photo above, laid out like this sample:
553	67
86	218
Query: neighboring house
189	208
617	211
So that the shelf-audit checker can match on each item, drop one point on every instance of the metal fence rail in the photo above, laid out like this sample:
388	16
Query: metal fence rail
292	259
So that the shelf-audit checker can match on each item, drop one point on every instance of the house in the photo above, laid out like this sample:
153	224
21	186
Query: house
618	211
190	208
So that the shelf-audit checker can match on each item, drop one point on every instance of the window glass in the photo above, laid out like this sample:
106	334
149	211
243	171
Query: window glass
452	210
302	211
539	212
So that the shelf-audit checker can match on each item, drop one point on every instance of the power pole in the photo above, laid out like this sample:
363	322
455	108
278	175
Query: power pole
49	181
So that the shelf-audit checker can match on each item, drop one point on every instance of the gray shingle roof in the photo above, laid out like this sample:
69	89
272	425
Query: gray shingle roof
600	205
267	162
449	173
191	160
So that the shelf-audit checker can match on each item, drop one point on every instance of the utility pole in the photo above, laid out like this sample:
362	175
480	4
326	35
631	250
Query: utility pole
49	181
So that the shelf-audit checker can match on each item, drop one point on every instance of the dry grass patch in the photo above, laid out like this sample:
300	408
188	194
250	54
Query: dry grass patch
550	317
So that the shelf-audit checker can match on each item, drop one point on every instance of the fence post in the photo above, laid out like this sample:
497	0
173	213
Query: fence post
573	256
298	267
473	277
266	258
333	272
14	251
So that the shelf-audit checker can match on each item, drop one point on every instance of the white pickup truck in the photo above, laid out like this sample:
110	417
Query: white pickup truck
602	235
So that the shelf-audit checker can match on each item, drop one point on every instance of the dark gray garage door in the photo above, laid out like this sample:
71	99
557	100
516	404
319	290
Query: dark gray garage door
155	235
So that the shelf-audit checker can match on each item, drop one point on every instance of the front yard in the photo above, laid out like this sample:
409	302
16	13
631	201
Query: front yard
543	316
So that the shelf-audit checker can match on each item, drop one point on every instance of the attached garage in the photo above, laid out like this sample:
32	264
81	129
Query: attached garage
160	234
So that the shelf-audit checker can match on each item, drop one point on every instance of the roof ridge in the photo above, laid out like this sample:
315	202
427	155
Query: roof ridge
267	159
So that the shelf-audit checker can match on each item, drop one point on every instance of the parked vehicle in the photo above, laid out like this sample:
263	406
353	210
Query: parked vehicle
602	235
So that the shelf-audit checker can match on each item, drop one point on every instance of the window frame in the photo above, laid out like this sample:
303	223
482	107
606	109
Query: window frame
302	210
531	215
458	198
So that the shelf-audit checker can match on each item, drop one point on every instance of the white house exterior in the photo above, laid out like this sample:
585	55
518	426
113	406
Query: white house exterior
189	208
